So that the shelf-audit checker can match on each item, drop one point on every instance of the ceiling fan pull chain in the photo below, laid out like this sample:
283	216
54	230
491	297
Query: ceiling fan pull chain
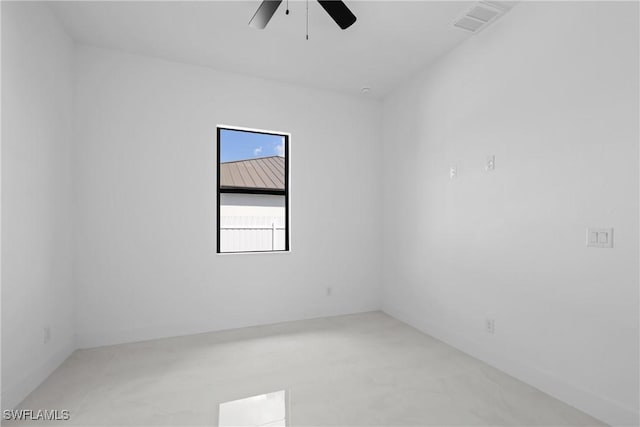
307	19
287	11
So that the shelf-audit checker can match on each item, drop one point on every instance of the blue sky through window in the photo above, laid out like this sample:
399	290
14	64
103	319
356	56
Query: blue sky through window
241	145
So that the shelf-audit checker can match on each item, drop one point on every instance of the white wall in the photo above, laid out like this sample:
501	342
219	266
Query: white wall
252	222
552	91
238	204
36	195
145	184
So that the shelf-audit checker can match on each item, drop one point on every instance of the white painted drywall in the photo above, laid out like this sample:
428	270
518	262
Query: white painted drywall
552	91
145	166
37	285
1	399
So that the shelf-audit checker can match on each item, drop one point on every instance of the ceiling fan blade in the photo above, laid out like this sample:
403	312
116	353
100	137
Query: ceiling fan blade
264	13
339	12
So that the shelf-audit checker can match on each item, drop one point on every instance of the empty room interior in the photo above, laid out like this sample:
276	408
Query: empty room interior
320	213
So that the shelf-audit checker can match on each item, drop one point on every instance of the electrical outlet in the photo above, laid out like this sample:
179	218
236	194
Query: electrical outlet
491	163
47	334
329	290
600	237
490	325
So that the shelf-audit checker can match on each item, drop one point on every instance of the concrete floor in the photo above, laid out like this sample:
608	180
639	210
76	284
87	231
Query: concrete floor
366	369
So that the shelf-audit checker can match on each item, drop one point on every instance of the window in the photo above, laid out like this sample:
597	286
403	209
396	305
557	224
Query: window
253	191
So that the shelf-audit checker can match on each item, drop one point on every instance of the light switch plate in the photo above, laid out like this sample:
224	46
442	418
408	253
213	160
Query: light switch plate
600	237
453	172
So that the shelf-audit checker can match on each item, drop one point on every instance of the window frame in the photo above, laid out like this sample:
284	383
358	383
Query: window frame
285	193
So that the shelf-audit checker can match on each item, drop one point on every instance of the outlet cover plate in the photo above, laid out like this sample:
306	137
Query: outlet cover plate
491	163
599	237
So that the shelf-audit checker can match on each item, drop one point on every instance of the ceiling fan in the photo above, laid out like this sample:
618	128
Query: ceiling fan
336	9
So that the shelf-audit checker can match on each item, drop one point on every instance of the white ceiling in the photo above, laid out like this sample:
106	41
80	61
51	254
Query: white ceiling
390	41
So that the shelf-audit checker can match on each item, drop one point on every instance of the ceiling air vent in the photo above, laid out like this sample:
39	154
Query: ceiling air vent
479	16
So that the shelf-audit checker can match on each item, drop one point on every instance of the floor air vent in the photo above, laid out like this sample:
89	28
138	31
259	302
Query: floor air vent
479	16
